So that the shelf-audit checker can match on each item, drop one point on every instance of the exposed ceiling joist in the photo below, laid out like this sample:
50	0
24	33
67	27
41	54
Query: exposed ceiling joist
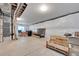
19	8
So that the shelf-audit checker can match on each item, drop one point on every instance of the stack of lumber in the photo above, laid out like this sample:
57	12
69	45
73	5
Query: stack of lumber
23	34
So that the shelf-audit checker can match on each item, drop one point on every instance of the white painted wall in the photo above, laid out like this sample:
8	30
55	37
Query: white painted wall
68	24
24	28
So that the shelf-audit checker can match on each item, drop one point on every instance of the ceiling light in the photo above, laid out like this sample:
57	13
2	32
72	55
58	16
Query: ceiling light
18	18
43	8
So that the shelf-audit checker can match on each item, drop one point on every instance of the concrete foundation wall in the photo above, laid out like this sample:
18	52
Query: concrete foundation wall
1	28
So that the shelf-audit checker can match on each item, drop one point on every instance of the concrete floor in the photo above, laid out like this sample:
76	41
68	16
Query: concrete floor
26	46
75	46
33	46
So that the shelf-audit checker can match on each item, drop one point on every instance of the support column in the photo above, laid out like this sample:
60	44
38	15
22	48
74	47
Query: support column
14	27
17	12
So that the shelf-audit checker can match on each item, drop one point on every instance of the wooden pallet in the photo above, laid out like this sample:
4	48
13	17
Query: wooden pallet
60	46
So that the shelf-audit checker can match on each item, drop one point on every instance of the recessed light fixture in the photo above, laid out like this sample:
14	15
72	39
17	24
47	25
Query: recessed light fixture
43	8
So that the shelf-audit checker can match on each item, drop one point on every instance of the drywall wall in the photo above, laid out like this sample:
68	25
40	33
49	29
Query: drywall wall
67	24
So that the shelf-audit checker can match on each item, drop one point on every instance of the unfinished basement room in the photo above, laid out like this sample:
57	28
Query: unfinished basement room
39	29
